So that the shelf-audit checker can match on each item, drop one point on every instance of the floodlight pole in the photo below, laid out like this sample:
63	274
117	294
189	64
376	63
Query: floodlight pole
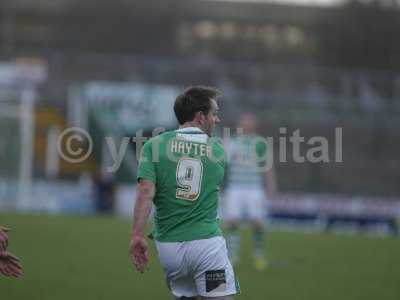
24	200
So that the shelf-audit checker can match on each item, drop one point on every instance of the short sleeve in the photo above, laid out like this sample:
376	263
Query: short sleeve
261	150
146	168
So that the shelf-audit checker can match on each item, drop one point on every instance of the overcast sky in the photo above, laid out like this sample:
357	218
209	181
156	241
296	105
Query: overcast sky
304	2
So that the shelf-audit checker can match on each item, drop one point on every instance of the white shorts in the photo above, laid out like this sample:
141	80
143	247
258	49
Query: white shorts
244	202
198	268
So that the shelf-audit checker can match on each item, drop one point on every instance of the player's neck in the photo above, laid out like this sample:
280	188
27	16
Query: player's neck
190	124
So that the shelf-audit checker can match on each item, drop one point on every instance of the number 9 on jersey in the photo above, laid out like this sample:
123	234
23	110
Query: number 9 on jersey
189	173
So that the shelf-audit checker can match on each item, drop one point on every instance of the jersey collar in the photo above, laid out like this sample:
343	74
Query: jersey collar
190	130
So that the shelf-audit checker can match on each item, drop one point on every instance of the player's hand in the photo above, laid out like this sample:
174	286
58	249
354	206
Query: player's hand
139	251
3	238
10	265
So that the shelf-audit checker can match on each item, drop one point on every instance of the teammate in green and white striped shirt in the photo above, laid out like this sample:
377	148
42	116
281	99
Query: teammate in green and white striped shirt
251	181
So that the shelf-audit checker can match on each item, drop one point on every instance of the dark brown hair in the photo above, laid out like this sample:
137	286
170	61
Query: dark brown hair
193	100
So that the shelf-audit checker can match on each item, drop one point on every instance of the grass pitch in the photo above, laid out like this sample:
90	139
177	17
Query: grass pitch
87	258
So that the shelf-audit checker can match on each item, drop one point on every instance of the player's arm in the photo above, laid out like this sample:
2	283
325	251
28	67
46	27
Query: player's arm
271	186
270	181
139	247
3	238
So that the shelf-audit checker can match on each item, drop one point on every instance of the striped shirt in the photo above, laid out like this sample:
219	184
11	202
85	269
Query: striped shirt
247	156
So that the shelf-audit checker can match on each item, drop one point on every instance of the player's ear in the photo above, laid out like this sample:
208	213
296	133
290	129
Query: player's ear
200	117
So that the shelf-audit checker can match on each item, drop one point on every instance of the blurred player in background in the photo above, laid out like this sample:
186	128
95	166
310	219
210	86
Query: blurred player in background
104	192
180	172
251	181
9	263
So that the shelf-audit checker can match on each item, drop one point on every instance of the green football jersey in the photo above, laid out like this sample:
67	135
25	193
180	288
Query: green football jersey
187	168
